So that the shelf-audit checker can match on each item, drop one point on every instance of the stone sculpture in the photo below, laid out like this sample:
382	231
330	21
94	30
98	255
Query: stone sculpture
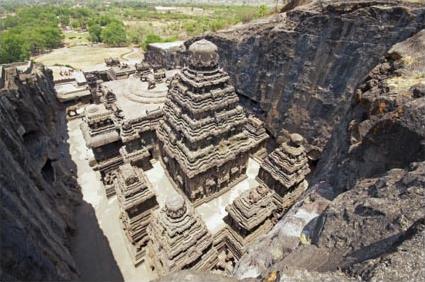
284	171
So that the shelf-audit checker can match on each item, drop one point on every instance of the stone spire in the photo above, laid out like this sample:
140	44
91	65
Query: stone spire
251	209
137	202
203	140
179	239
133	151
251	215
285	169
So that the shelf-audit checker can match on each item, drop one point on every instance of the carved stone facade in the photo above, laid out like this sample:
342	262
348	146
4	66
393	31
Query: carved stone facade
116	139
256	131
134	151
203	140
284	172
100	132
250	215
137	202
179	239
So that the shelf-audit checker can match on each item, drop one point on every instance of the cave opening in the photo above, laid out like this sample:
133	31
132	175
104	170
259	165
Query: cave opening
48	172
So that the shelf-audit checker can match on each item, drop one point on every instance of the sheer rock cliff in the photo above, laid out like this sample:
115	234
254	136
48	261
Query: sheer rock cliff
38	189
298	69
367	194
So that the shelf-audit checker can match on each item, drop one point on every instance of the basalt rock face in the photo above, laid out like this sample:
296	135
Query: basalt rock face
373	176
299	68
384	125
38	192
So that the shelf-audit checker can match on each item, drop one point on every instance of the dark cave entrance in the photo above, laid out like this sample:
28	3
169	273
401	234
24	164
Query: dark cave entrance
48	172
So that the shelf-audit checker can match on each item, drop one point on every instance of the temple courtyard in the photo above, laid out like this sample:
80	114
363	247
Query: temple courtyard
106	212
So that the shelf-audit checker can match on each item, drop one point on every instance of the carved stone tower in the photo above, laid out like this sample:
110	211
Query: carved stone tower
203	140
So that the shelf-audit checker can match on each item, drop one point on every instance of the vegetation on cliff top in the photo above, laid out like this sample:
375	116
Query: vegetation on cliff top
27	30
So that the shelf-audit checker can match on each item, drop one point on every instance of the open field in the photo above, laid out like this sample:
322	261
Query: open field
75	38
84	56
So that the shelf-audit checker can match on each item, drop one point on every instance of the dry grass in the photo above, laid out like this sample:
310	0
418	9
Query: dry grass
74	38
81	56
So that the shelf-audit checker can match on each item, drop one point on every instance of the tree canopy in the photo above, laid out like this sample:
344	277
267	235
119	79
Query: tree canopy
114	34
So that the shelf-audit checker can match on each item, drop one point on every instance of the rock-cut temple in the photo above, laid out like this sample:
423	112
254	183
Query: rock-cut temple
203	140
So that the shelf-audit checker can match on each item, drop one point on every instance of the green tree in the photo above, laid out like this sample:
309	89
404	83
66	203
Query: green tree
262	10
95	32
151	38
12	48
114	34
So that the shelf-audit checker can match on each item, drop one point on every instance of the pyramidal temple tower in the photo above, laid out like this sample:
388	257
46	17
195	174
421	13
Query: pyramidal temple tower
179	239
203	140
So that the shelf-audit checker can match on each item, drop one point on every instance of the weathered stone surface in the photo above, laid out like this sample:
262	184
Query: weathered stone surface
299	68
384	125
38	191
375	163
202	138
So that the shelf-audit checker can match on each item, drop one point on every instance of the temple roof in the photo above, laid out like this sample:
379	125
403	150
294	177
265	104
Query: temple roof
203	124
288	164
179	237
132	186
203	54
252	207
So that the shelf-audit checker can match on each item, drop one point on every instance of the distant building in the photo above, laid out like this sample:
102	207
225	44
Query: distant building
169	55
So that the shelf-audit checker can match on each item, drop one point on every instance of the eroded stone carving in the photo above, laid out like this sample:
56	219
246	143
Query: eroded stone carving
137	202
179	239
250	215
203	140
284	171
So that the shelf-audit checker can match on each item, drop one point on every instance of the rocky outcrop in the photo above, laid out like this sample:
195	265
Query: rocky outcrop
299	68
383	127
364	213
38	192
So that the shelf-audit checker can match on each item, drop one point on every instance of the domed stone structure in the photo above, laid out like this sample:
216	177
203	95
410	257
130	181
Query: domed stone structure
203	54
175	206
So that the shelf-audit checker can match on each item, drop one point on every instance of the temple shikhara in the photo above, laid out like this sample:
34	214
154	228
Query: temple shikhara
137	202
193	180
284	171
203	141
179	239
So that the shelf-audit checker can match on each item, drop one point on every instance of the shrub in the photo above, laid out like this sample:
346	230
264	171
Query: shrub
114	34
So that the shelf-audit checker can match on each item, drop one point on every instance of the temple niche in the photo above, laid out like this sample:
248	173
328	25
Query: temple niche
202	138
284	172
250	215
137	202
179	239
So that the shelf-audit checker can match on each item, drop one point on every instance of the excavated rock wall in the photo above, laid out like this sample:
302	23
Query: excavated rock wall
299	68
373	174
38	190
